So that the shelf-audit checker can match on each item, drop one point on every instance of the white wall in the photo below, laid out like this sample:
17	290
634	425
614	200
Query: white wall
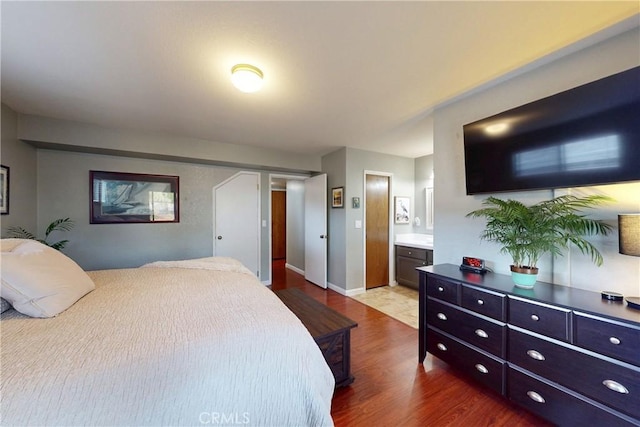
455	235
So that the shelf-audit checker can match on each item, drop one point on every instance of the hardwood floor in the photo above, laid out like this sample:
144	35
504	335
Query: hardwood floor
391	388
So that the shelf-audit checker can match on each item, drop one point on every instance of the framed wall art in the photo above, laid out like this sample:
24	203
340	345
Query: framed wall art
4	189
402	210
337	197
133	198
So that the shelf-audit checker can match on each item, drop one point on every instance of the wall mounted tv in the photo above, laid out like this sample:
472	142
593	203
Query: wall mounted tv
588	135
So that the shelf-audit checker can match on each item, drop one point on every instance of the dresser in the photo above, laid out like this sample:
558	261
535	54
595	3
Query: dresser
563	353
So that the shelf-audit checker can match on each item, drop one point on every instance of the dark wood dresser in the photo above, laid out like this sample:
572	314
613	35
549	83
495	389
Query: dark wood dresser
563	353
330	329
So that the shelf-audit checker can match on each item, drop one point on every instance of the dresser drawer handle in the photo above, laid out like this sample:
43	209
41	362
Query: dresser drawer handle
441	316
535	397
615	386
480	302
535	355
440	289
535	317
481	333
481	368
442	347
614	340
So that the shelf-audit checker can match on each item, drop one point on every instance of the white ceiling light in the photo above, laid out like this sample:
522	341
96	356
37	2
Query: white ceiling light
246	78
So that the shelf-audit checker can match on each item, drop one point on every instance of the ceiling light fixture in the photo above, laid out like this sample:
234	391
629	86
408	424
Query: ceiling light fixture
246	78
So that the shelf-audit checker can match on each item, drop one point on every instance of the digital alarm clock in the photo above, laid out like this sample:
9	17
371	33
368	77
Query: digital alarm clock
475	265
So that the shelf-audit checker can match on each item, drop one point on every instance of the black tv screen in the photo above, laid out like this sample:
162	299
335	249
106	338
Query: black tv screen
588	135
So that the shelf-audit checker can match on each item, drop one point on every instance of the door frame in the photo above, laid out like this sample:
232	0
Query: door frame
270	218
392	267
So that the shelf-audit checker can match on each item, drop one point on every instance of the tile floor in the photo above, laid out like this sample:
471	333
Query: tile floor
399	302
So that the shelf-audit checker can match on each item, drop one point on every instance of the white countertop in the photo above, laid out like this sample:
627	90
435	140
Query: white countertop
415	240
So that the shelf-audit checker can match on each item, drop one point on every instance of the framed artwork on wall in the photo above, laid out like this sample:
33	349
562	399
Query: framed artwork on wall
402	210
118	198
337	197
4	189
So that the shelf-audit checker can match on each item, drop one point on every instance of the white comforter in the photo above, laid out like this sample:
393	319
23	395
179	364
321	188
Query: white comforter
183	345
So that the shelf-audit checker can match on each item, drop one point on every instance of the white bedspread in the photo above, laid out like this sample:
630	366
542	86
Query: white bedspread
165	346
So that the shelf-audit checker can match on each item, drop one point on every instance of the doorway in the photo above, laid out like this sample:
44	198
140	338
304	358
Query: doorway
278	224
377	191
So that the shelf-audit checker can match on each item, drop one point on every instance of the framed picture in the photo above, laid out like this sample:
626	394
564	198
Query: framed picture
4	189
402	210
133	198
337	197
355	202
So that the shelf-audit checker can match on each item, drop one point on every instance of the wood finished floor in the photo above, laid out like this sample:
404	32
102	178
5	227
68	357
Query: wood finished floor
391	388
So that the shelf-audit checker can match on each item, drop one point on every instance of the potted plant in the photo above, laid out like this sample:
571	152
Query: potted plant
62	224
529	232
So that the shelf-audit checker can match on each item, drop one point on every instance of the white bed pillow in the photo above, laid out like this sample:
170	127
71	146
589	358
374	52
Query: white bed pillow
40	281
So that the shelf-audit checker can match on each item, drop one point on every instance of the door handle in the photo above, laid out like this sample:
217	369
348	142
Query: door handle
323	236
219	237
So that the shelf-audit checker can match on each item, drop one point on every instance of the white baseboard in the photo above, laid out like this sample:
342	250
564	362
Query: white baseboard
294	268
345	292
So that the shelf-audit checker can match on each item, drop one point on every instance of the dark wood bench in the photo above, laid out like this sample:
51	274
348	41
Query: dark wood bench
330	330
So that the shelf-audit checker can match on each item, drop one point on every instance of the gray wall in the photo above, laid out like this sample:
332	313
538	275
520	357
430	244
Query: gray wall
334	165
455	235
22	162
63	182
74	136
346	167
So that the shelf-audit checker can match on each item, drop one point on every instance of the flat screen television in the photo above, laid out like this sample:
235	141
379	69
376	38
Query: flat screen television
588	135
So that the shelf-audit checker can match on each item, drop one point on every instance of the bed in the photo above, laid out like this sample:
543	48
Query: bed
199	342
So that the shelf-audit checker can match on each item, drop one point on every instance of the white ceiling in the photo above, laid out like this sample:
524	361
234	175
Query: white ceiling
359	74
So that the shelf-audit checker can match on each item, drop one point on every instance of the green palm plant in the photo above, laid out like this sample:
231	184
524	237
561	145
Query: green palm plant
62	224
529	232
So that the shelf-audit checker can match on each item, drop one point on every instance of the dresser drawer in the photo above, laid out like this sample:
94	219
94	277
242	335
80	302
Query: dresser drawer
446	290
616	385
545	319
482	367
480	332
620	341
492	304
415	253
560	406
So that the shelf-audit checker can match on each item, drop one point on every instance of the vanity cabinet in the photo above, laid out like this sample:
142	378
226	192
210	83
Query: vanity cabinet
407	260
563	353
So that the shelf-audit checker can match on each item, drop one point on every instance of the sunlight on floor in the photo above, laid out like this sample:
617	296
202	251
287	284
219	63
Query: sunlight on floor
399	302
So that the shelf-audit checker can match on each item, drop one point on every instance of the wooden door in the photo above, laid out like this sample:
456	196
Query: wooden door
278	224
377	231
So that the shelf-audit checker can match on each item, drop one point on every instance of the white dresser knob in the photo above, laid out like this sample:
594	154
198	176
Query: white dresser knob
442	347
614	340
535	355
441	316
615	386
480	302
440	289
481	333
534	317
535	397
482	369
